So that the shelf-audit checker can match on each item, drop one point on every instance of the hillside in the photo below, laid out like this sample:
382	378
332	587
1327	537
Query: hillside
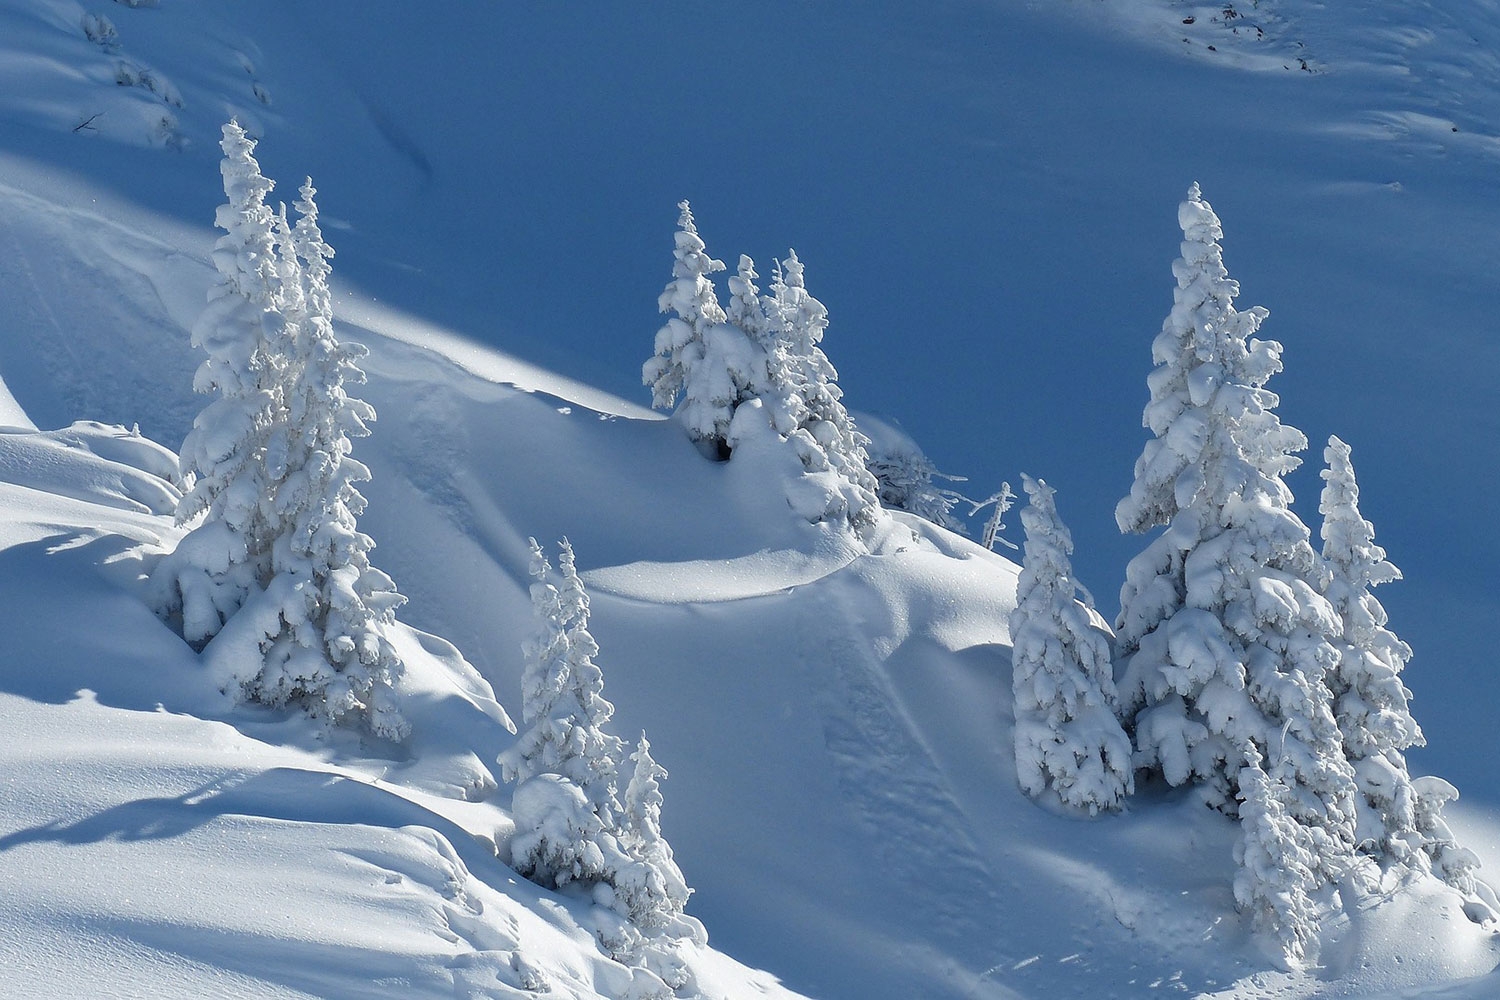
834	716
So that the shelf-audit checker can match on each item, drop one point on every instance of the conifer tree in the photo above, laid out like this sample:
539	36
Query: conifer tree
810	398
563	706
1225	636
1370	702
746	309
664	891
564	763
329	651
571	826
1400	817
1067	736
707	364
227	556
680	344
908	481
780	396
573	600
1277	865
1449	860
278	550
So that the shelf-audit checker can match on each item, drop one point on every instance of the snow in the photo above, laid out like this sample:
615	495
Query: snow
833	714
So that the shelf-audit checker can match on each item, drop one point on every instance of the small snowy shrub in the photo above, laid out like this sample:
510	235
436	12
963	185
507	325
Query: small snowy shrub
908	479
129	74
101	31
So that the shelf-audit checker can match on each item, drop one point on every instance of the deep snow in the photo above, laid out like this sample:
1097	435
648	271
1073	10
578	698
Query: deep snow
841	793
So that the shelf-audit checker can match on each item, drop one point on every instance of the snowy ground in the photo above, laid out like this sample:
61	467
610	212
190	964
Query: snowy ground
841	794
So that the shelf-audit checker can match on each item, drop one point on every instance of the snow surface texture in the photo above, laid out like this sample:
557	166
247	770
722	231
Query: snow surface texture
842	789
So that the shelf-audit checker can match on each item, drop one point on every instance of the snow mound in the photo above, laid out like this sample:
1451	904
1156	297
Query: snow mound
94	462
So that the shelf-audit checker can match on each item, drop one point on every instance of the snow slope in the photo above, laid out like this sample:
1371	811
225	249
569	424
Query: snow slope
841	793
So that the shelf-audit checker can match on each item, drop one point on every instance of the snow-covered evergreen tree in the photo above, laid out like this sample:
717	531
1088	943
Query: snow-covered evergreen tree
764	350
747	308
1225	636
690	297
804	395
682	365
1066	733
1400	818
1449	860
1276	875
243	330
563	710
660	891
571	827
329	651
278	551
563	706
1370	702
707	363
572	598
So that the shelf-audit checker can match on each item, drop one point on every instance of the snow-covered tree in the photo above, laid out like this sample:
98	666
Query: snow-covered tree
807	397
690	297
1067	735
707	363
571	826
1450	861
1370	702
1276	876
1225	636
277	551
682	366
572	598
1400	818
764	351
747	308
563	706
329	652
1001	502
243	331
564	711
660	891
907	479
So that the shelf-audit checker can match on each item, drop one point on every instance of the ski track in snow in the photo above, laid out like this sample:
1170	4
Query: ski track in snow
886	774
